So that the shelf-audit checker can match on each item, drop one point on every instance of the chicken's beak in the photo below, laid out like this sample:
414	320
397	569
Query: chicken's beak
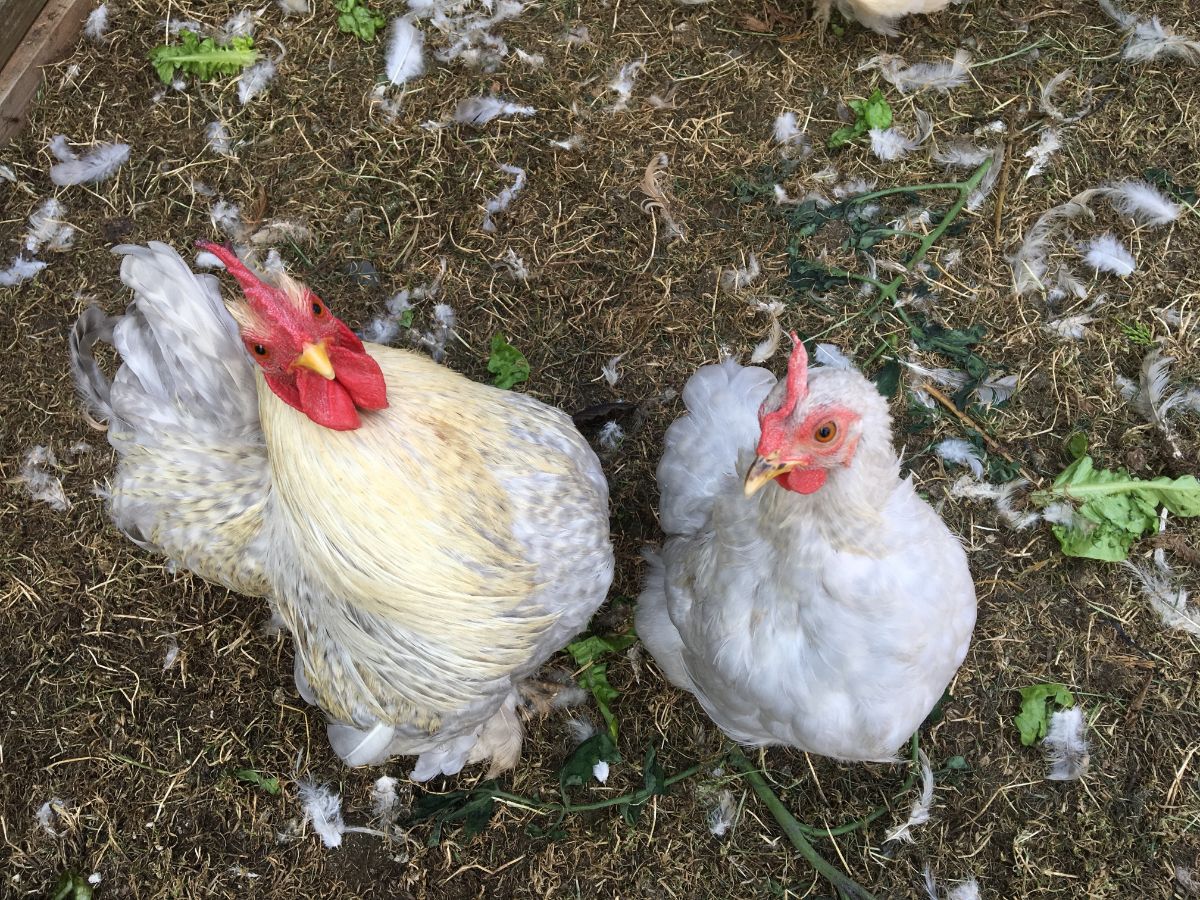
763	471
316	359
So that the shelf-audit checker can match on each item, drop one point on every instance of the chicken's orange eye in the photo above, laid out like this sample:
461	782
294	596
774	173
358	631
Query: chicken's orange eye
826	433
260	349
317	308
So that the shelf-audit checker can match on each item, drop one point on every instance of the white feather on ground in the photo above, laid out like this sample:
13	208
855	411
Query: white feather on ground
1002	495
1066	745
294	7
479	111
20	270
609	370
943	76
1141	201
723	814
1048	144
1149	39
443	329
964	890
48	229
1167	597
768	346
1153	395
405	53
921	807
217	136
611	436
47	815
384	799
255	80
240	24
740	277
788	135
100	163
600	772
961	155
171	655
1031	261
96	26
514	265
493	206
40	482
323	809
579	730
891	143
1072	328
961	453
1050	108
623	82
1106	253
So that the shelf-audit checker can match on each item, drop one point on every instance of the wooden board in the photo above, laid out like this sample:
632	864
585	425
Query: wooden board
50	37
15	18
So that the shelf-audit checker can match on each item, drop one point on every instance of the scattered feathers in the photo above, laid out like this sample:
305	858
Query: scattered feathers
101	163
1066	745
829	355
405	54
1153	395
738	278
921	807
789	136
1167	597
1106	253
514	265
658	195
500	203
622	84
723	815
609	370
1148	39
964	890
96	25
254	80
47	228
41	483
20	270
322	808
1141	201
891	143
479	111
384	799
47	815
768	346
171	656
1048	144
1002	495
1050	108
908	79
1031	261
961	453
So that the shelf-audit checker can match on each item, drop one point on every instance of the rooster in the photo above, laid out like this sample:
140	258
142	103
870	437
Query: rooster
428	541
878	15
805	594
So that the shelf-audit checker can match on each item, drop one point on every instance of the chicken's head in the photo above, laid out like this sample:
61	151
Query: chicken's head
805	434
309	358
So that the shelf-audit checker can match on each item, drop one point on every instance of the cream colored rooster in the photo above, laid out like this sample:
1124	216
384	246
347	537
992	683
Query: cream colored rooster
878	15
428	541
806	595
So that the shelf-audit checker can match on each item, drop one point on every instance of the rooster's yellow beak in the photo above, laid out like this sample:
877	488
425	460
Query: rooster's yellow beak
316	359
763	471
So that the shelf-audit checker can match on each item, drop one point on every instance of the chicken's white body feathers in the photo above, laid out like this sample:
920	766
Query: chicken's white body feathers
831	622
417	602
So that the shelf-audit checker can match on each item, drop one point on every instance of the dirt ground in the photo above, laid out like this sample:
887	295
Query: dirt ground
143	756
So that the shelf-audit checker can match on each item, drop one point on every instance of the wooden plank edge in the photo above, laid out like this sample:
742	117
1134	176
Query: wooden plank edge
47	41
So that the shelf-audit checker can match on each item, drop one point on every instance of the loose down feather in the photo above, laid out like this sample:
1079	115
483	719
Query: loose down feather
101	163
891	143
1066	745
961	453
922	807
942	77
1106	253
405	53
1149	39
1167	597
479	111
1153	395
323	810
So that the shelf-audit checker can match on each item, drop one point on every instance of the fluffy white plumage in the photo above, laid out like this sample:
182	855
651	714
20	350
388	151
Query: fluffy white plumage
891	143
436	582
941	76
481	110
922	807
830	622
19	270
323	810
879	15
1106	253
384	799
961	453
406	51
255	80
1142	202
1066	745
96	25
100	163
1167	597
501	202
1048	144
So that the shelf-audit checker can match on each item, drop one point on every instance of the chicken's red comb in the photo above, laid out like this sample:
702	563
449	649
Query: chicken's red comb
774	423
252	286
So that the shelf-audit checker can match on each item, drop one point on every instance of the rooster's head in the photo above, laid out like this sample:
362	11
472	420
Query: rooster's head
804	434
309	358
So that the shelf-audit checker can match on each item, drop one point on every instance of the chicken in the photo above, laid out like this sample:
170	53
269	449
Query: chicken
878	15
428	541
806	596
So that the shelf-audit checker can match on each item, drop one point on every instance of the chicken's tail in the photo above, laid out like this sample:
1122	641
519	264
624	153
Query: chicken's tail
92	384
653	624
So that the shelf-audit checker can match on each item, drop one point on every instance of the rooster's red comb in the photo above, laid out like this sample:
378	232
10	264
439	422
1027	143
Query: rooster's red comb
252	286
774	423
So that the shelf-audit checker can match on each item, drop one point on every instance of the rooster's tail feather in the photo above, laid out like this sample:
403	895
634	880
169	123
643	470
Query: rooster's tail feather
93	386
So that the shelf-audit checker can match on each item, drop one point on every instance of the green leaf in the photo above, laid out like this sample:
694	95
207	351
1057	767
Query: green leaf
577	770
887	379
473	808
876	113
594	677
358	20
1077	444
251	776
202	58
654	782
1115	508
1038	701
957	763
843	136
507	363
71	886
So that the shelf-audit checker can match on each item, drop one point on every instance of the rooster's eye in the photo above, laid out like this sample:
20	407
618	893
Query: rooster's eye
826	433
260	349
317	308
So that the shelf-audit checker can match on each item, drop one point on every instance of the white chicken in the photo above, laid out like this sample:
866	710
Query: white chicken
878	15
428	541
806	596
